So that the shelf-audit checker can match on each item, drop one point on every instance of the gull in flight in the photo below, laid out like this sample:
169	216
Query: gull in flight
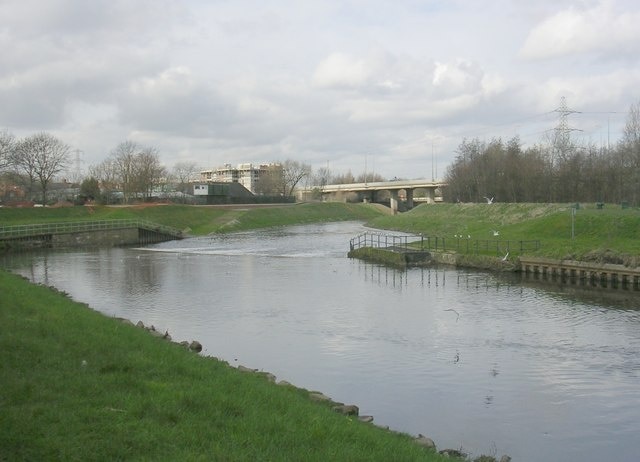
489	201
496	233
505	257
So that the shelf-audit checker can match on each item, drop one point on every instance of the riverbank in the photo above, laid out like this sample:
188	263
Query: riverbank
200	220
603	235
610	234
78	385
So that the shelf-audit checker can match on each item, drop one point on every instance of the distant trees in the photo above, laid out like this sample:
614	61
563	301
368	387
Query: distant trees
90	189
183	173
344	178
271	181
324	176
133	169
369	177
38	158
548	172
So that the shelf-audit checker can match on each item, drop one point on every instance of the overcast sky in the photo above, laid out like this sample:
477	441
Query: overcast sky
391	85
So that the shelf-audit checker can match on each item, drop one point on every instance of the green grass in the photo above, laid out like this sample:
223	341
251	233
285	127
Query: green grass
611	232
199	220
77	385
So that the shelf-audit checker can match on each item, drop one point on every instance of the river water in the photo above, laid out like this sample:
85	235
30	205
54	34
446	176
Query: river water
470	359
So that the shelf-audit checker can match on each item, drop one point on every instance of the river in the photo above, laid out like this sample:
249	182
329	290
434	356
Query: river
470	359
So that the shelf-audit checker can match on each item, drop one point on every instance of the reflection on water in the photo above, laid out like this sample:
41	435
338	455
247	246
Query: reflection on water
471	359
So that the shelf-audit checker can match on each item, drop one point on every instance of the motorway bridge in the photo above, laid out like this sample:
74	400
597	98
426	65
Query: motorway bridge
369	192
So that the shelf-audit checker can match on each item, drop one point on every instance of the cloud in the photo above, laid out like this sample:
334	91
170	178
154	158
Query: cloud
339	70
321	81
457	77
596	30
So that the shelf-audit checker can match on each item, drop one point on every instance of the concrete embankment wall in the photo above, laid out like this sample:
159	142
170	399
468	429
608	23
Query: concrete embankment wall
591	271
95	238
104	238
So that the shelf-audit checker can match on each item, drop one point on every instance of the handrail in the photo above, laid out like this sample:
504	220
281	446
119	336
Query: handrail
35	229
476	246
381	240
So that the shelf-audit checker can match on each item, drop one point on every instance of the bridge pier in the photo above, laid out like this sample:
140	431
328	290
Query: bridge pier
431	195
409	194
394	201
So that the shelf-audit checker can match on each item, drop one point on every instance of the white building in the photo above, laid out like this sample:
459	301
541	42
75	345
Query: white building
247	174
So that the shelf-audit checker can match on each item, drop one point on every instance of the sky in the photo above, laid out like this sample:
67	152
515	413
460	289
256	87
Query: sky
389	87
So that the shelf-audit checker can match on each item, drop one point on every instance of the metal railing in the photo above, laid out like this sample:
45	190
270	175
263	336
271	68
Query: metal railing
38	229
442	244
478	246
380	240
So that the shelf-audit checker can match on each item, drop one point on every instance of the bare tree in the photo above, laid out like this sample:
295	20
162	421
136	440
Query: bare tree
148	171
271	181
107	177
40	157
123	157
630	150
184	173
632	127
7	145
292	173
131	168
345	178
322	177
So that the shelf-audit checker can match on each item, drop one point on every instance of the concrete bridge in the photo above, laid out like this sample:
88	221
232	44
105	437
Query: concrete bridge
369	192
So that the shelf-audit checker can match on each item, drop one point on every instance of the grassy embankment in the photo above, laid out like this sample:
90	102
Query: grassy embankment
200	220
610	234
77	385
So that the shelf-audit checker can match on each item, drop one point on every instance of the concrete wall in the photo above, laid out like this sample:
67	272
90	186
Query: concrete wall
105	238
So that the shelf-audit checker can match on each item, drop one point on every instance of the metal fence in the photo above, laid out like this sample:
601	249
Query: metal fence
442	244
380	240
20	231
477	246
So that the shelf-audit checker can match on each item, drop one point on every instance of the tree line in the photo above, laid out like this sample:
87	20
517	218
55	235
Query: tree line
555	170
131	172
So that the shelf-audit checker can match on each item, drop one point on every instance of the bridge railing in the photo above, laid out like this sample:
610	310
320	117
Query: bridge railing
36	229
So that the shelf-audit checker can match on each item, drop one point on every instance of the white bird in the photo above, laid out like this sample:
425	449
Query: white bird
505	257
496	233
489	201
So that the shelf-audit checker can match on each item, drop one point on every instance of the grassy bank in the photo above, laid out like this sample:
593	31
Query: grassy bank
200	220
77	385
610	234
